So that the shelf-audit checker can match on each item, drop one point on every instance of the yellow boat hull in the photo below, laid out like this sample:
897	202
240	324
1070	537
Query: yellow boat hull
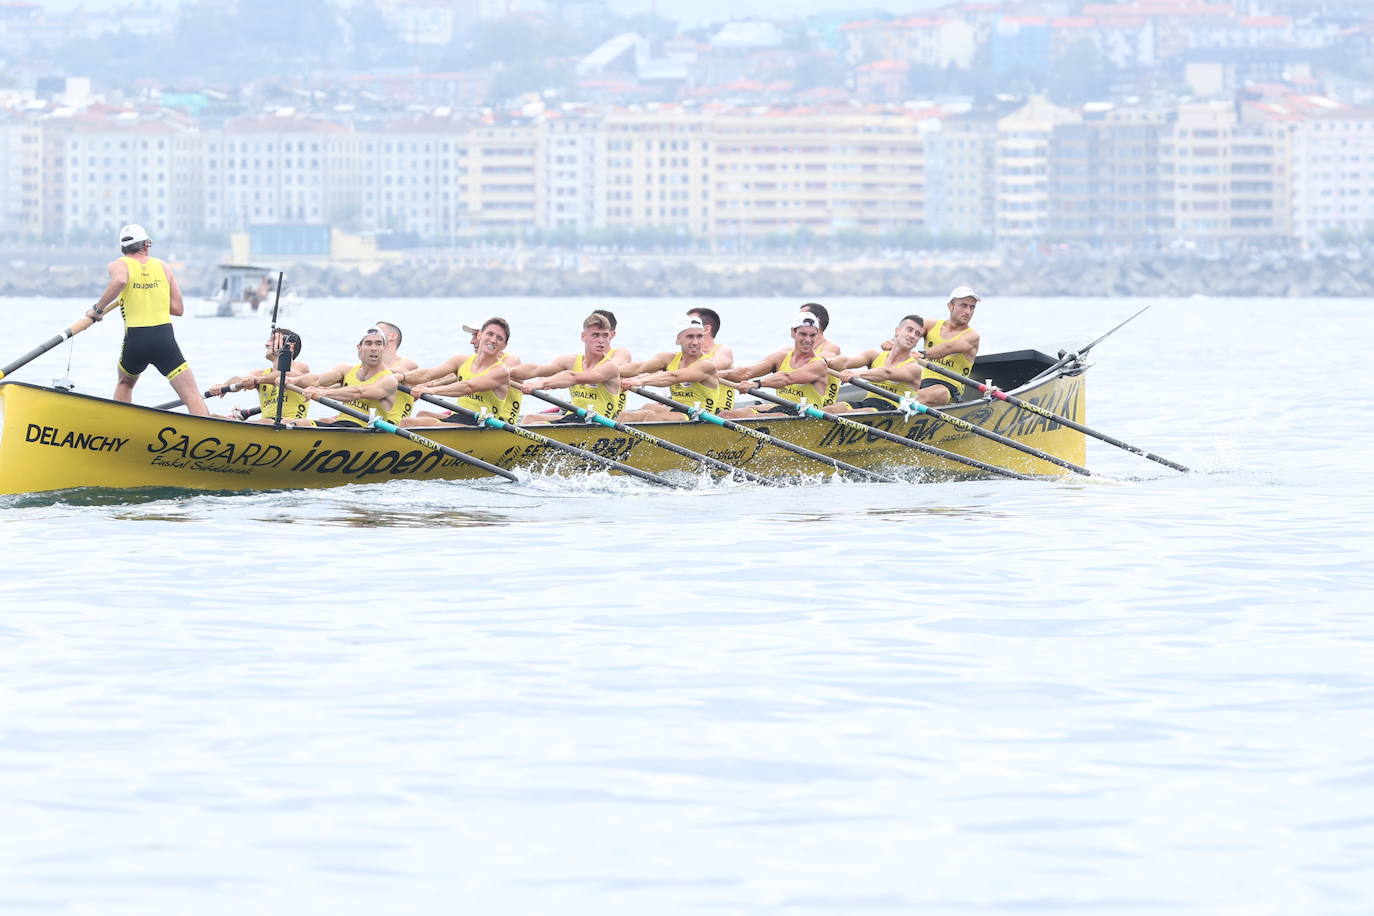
56	440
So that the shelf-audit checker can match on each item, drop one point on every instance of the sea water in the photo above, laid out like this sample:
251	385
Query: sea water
1139	692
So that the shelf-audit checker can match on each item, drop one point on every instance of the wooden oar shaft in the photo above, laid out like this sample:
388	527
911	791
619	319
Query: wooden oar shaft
965	426
817	413
664	444
706	417
993	391
547	442
385	426
75	328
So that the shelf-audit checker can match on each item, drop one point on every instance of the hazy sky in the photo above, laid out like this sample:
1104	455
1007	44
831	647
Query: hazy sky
688	12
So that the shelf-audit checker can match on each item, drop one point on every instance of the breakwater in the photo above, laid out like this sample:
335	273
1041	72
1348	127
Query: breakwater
527	273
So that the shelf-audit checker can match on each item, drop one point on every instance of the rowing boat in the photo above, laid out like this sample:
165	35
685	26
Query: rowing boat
53	439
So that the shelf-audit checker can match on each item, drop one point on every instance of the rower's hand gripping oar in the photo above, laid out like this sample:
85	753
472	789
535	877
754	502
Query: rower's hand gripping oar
479	420
593	417
806	410
708	417
965	426
207	393
67	333
993	391
379	423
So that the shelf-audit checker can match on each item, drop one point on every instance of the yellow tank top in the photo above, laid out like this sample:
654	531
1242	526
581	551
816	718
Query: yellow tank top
600	398
147	296
506	409
294	406
897	389
957	362
695	393
807	391
727	392
400	407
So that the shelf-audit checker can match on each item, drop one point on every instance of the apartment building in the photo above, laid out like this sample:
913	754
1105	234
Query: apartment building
101	172
1226	180
1104	184
21	177
1023	167
658	166
961	162
571	149
824	172
1333	173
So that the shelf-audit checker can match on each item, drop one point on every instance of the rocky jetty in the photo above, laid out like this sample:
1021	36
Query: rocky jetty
547	274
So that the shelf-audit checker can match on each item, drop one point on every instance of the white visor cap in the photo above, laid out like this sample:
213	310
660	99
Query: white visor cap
805	320
132	234
690	324
963	292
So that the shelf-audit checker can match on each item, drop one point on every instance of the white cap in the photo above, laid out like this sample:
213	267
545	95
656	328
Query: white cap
132	234
963	292
474	328
805	319
688	323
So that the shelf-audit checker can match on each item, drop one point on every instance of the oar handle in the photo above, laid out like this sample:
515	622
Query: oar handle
389	427
640	434
708	417
76	327
547	442
172	405
965	426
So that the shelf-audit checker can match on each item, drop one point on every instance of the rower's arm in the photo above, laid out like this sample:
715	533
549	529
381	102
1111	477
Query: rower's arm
767	364
652	364
119	278
378	388
858	361
908	373
703	370
326	379
237	381
487	381
178	306
530	370
813	370
420	376
596	375
724	358
966	342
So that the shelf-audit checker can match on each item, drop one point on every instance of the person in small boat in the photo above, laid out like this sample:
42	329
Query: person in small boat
825	347
895	370
617	354
798	373
952	343
392	358
295	405
148	294
481	382
687	373
718	353
592	376
368	385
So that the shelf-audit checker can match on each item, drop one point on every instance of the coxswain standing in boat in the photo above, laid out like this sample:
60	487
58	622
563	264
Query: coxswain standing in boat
951	343
368	385
895	369
149	296
294	405
689	375
592	375
481	381
797	372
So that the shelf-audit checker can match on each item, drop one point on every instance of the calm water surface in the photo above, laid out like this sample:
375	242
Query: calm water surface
1138	693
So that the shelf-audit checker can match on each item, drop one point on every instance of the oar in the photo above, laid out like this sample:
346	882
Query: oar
594	417
1048	414
707	417
1079	354
967	427
173	405
283	356
816	413
383	425
600	460
76	328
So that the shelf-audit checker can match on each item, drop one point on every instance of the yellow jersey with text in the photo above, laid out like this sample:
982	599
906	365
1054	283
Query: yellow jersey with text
708	398
822	396
400	408
147	296
728	393
506	409
898	390
961	363
294	405
603	399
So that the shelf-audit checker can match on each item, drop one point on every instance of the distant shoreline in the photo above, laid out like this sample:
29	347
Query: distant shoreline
560	274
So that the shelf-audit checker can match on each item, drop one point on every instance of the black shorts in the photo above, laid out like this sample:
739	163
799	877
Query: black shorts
569	418
345	423
156	345
948	386
874	402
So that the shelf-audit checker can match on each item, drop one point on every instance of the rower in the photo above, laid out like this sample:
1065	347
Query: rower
797	372
689	375
295	405
718	353
367	385
619	355
894	370
951	343
482	381
592	375
148	295
392	358
824	347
